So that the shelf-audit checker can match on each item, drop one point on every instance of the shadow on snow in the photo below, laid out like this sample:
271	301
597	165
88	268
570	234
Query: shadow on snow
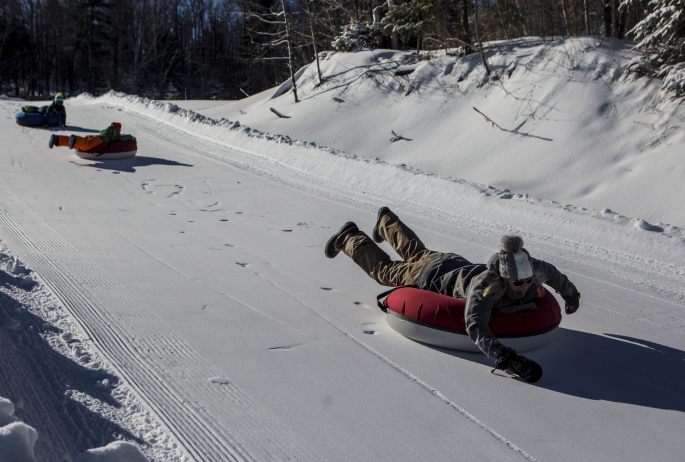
41	382
607	367
129	165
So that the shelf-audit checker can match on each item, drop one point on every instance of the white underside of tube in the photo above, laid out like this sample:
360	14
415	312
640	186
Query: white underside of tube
461	342
106	155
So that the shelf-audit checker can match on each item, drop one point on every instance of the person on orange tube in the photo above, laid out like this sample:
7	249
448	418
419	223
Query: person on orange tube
111	134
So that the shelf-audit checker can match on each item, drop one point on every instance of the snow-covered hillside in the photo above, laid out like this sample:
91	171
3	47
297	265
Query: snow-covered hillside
579	127
180	301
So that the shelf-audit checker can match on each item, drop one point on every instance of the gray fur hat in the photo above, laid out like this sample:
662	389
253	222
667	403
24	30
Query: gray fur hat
514	261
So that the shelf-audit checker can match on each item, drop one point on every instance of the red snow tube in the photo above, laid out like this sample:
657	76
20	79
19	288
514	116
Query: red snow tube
437	319
110	151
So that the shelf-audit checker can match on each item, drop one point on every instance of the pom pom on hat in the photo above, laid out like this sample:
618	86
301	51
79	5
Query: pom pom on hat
117	124
514	261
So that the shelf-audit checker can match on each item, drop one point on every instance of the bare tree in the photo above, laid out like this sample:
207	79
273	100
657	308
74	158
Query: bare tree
480	43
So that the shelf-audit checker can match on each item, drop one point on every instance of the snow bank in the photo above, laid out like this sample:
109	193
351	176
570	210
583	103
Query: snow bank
36	322
118	451
17	441
16	438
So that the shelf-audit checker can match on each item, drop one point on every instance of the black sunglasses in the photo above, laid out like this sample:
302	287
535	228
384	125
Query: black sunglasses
522	281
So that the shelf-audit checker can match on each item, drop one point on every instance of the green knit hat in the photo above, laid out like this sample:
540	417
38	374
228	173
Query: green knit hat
59	99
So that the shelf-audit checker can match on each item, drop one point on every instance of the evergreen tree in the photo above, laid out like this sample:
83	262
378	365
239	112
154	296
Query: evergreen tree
662	35
416	19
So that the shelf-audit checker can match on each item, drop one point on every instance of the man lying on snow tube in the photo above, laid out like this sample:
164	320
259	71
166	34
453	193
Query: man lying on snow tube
53	115
111	134
511	277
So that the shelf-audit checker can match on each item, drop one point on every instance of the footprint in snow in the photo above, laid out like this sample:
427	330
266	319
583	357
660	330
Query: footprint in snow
362	304
242	264
229	245
238	213
326	288
369	328
645	226
219	380
285	347
224	219
287	230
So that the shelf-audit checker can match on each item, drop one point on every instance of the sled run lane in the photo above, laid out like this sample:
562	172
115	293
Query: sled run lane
197	271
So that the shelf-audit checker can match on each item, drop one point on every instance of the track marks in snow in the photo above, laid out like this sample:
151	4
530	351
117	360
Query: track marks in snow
28	228
408	375
62	398
251	432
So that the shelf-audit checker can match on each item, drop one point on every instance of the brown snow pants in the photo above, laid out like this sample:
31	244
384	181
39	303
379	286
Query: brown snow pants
377	264
84	144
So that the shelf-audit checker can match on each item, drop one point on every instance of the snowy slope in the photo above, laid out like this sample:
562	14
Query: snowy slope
587	131
194	274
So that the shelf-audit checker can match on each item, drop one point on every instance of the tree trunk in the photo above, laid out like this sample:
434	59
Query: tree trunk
376	11
311	29
291	65
622	24
394	39
480	44
501	20
563	9
467	31
523	21
607	19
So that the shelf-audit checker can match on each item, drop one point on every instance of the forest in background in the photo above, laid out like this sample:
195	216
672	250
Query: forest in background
229	49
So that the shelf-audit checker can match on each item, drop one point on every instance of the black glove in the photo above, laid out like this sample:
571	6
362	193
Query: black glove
572	303
515	364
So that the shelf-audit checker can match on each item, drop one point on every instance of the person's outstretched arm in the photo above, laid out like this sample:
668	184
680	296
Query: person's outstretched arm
558	281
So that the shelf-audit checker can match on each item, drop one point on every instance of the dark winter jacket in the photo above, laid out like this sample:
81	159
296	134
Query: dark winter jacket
56	109
112	135
453	275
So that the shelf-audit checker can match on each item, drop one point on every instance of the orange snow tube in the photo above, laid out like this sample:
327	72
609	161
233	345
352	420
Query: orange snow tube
109	151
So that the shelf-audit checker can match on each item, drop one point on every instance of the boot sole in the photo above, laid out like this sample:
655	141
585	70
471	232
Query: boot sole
330	250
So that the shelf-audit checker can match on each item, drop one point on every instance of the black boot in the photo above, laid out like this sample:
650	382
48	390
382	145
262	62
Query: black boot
53	141
375	234
337	241
72	141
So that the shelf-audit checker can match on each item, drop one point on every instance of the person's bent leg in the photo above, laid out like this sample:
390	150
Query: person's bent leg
87	143
402	239
378	265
